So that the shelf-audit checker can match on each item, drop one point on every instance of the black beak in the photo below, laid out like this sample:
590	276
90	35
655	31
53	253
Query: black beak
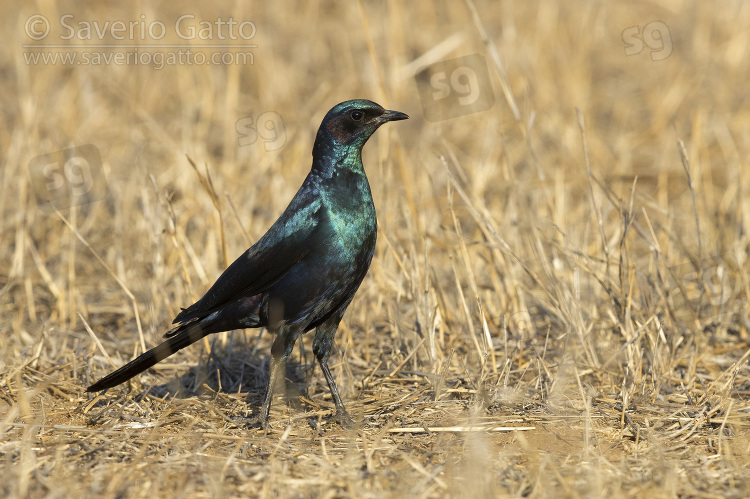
392	116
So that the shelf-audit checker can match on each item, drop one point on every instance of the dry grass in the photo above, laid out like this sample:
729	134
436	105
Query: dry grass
581	274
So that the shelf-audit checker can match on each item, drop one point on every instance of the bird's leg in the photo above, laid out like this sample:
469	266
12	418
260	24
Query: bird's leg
322	348
342	417
280	350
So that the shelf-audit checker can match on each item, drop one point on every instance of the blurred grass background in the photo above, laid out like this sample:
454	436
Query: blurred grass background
572	260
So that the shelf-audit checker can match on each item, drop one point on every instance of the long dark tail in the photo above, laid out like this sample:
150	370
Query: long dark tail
239	314
190	334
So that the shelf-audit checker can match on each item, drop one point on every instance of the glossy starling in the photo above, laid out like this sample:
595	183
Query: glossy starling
303	273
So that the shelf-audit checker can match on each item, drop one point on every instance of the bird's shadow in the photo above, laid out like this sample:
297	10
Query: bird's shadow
238	367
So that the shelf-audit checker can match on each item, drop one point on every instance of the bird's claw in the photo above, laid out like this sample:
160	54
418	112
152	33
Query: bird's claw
344	419
251	421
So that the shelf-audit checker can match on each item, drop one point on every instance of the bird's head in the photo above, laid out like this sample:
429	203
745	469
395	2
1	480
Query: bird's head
351	123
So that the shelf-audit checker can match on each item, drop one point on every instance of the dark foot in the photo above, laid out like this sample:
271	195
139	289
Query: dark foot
251	421
343	419
261	421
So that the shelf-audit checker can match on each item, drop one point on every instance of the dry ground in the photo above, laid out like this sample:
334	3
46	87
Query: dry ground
579	276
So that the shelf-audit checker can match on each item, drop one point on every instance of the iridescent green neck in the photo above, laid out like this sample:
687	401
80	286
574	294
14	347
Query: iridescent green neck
329	158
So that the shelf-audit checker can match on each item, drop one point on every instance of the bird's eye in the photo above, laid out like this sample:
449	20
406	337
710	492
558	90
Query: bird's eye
357	115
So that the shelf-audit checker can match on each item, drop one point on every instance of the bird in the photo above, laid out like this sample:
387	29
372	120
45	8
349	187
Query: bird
304	272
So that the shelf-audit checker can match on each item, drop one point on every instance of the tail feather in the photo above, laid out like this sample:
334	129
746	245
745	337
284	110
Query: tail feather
179	340
239	314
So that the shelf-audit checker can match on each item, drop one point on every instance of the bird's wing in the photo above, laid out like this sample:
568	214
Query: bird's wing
258	268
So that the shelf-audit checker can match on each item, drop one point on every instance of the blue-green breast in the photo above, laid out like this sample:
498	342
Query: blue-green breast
347	201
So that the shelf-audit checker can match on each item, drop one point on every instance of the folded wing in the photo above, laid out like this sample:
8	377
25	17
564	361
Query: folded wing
280	249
